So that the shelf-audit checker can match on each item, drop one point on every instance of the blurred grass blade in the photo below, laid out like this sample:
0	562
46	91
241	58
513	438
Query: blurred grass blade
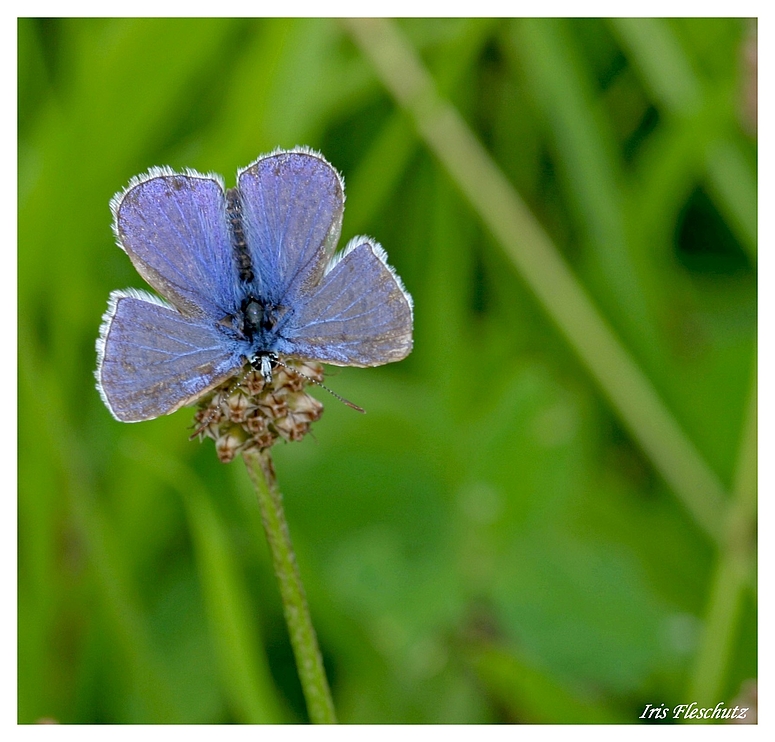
664	66
384	163
536	258
668	75
733	573
121	606
532	696
376	180
733	188
235	628
588	161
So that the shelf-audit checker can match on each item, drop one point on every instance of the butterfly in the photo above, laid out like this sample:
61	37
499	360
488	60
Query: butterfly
248	275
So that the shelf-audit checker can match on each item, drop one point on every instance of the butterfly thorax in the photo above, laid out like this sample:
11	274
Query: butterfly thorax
255	326
258	317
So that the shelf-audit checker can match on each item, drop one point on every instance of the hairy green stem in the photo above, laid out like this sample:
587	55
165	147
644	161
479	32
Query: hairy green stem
303	639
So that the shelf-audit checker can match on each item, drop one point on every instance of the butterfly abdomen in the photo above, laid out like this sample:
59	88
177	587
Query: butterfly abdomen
237	230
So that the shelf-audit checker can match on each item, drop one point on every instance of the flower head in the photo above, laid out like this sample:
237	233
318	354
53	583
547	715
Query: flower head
252	413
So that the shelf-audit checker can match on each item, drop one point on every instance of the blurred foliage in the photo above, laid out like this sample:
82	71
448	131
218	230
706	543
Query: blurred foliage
487	544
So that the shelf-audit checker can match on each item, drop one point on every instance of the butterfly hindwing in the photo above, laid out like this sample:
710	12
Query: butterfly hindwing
152	360
359	314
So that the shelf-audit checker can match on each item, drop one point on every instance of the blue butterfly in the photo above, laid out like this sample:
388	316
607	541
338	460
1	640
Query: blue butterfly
249	274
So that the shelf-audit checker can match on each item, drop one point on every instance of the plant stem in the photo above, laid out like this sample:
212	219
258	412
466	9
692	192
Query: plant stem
312	674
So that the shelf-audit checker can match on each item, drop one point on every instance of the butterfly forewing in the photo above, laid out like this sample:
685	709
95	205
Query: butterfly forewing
292	205
175	230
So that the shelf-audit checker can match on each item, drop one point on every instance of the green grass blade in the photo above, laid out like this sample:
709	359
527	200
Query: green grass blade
121	606
733	573
234	625
537	260
381	167
590	166
534	696
669	76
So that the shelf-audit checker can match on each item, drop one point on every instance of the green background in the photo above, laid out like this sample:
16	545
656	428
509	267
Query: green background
490	543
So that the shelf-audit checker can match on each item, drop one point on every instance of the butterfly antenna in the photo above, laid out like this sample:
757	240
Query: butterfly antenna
321	384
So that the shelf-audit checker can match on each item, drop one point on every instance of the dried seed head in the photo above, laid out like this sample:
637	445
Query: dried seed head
253	382
229	443
239	407
248	413
312	370
275	404
286	379
291	427
304	405
256	423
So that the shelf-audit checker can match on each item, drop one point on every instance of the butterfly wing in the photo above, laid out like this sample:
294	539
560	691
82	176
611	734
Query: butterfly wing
292	204
153	360
359	315
175	229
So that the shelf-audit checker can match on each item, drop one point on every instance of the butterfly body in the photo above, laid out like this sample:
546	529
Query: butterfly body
249	274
